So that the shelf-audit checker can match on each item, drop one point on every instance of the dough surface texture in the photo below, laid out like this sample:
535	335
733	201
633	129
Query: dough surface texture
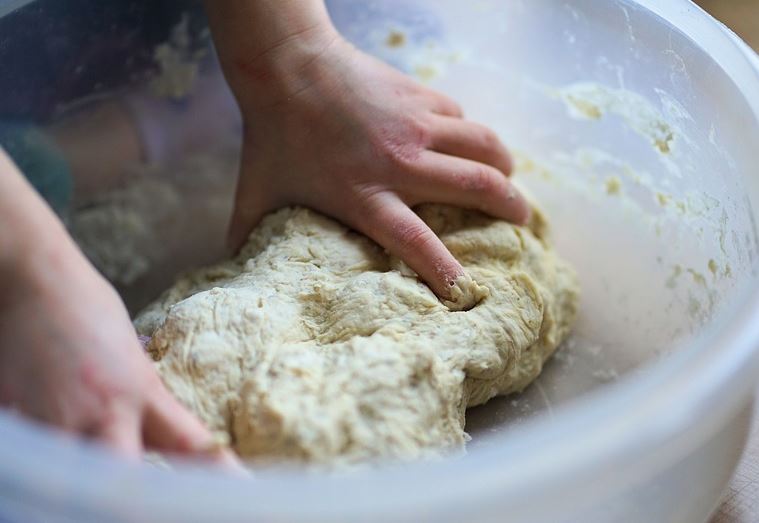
314	345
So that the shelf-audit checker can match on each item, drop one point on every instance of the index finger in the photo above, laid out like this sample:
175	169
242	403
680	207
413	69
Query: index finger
398	229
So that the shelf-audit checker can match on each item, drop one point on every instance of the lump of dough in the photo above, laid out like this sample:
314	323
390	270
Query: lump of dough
313	345
465	294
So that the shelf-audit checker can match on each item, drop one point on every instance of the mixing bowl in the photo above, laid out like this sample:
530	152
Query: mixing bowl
635	124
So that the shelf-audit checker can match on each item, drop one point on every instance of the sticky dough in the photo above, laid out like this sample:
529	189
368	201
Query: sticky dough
314	345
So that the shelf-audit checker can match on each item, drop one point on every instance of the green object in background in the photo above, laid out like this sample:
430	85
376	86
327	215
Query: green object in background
41	161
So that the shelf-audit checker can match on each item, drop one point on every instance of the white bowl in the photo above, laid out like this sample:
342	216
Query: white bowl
636	125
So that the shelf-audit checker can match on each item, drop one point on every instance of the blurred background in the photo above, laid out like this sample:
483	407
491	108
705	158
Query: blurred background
741	502
742	16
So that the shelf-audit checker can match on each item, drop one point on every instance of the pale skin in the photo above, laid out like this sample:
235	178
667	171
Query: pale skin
69	355
327	127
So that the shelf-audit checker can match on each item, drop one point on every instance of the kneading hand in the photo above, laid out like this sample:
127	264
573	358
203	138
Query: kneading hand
333	129
69	355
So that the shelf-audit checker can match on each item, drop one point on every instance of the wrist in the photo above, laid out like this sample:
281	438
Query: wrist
33	241
36	261
281	74
38	255
266	47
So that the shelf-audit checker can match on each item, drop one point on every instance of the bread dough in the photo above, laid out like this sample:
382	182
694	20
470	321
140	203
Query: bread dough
315	345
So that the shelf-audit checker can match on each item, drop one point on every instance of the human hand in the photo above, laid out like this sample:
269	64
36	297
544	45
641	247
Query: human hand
70	357
333	129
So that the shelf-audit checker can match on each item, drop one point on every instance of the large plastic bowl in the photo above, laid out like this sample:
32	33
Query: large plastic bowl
636	125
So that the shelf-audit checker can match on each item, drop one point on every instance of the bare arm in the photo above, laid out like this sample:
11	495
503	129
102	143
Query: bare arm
264	45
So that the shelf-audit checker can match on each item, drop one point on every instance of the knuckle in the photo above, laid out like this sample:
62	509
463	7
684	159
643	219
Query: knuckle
445	103
366	215
413	236
419	131
369	199
403	143
394	153
480	179
455	108
489	139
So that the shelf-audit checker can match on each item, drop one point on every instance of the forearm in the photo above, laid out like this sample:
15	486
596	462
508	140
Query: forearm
265	45
30	233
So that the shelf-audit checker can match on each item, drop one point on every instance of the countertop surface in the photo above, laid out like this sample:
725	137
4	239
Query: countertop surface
741	501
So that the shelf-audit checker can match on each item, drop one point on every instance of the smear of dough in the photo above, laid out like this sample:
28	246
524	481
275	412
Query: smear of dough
313	344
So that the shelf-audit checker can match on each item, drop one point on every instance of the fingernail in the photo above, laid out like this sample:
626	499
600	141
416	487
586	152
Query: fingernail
527	210
528	215
522	209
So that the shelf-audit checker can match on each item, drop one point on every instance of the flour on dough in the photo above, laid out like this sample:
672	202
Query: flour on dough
312	345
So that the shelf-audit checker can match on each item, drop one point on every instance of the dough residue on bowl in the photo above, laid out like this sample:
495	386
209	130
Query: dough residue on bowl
314	345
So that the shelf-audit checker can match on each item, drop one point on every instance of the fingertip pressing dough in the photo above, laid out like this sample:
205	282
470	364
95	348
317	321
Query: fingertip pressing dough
314	345
465	294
